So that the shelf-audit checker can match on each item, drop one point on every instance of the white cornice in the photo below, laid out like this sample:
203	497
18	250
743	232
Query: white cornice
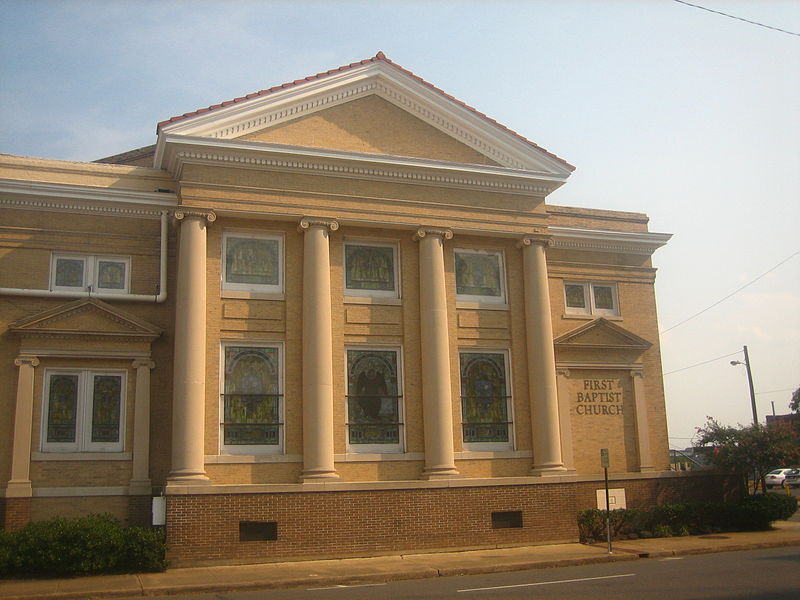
600	240
35	195
178	151
375	78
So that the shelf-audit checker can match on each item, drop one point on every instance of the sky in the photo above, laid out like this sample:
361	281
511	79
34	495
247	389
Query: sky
688	116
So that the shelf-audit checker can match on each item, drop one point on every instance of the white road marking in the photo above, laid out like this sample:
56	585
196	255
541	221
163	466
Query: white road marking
672	558
336	587
502	587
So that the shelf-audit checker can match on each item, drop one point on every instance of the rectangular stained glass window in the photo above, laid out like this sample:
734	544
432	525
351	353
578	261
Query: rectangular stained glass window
484	397
252	397
111	274
62	409
106	407
590	298
479	275
576	297
252	260
369	268
70	272
603	297
373	397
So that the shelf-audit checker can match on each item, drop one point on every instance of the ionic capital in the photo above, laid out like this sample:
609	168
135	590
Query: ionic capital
30	361
200	213
562	371
637	373
531	239
143	362
445	234
308	222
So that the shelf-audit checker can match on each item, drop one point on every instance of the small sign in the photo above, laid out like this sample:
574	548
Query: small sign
604	457
616	499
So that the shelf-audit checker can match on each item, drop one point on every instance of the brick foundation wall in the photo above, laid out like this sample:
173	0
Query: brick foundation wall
15	513
204	529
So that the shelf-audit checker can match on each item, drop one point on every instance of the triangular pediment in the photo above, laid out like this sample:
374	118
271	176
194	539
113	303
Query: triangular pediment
371	125
361	93
87	318
601	334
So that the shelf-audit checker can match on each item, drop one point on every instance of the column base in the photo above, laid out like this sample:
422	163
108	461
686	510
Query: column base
20	488
318	476
548	470
188	478
646	468
435	473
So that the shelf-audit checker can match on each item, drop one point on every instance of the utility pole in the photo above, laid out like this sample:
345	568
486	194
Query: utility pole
750	382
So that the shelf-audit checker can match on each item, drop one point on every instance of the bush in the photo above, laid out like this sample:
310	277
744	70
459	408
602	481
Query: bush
752	513
86	546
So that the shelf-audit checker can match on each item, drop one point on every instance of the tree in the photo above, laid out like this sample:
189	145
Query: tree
794	404
749	451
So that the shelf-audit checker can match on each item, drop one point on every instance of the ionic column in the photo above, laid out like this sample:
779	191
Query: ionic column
541	359
642	429
19	486
189	393
140	475
567	453
437	404
317	352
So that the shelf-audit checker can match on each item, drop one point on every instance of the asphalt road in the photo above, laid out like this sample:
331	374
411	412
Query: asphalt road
757	574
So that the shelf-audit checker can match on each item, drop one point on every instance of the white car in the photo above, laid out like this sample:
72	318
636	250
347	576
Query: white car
776	477
792	477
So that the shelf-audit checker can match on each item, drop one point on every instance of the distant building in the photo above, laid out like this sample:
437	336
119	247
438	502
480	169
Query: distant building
330	318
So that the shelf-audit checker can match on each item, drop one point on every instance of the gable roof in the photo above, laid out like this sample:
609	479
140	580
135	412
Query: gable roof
239	108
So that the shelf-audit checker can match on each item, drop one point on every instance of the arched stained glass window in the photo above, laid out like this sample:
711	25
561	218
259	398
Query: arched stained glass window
252	396
484	397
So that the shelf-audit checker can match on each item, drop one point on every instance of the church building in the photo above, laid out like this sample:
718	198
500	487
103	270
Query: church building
336	317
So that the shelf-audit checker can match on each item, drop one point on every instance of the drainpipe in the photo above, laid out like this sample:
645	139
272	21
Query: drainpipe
157	299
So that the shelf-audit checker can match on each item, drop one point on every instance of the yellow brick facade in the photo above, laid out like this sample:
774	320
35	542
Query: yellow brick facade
380	172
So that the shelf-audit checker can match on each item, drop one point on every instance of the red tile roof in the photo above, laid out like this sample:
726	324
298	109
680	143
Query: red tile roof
380	56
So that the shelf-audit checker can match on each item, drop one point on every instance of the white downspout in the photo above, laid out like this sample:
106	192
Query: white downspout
158	299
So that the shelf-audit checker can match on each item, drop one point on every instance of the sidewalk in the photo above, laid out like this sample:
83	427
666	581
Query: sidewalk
324	573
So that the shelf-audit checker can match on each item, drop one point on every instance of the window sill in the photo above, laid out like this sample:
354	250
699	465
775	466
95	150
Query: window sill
592	317
378	457
482	305
492	454
231	459
252	295
65	456
371	300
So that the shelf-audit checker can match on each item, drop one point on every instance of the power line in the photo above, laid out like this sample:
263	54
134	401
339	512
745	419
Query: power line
734	292
717	12
705	362
775	391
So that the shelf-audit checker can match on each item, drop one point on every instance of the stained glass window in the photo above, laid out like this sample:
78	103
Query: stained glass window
575	296
369	268
373	397
106	408
62	412
252	262
252	398
111	274
590	298
69	272
85	411
479	275
484	397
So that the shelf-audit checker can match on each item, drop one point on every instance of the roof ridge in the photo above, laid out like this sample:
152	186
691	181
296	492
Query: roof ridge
379	56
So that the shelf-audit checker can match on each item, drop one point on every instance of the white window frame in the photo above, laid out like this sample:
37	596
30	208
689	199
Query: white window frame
360	293
252	449
83	420
588	295
91	267
489	446
377	448
252	287
502	298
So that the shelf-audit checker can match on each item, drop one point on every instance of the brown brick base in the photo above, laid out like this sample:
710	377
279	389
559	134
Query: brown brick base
15	513
204	529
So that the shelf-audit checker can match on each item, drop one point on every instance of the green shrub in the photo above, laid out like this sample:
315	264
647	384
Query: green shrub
86	546
752	513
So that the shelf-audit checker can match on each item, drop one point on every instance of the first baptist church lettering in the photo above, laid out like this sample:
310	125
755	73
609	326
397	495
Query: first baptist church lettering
338	305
